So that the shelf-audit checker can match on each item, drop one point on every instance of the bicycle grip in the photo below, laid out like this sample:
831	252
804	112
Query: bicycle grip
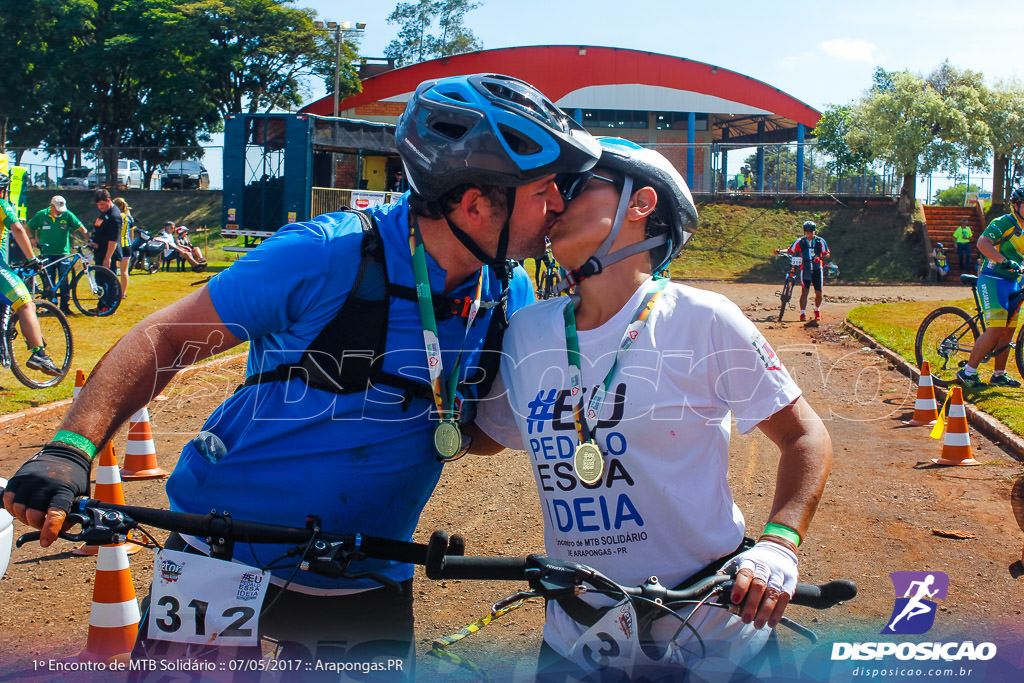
824	595
483	568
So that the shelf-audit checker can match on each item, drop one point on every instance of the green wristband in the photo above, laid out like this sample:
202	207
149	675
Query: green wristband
782	531
76	440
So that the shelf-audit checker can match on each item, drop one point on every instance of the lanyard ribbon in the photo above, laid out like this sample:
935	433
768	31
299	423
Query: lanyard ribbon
572	346
445	398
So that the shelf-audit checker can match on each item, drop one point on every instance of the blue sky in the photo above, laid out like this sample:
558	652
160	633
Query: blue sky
819	52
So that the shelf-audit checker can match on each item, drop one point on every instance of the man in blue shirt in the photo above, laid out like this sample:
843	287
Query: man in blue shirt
283	448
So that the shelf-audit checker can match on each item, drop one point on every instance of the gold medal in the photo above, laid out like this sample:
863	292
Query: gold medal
448	441
588	462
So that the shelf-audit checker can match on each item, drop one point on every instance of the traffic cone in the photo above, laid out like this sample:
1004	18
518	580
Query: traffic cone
114	619
79	383
140	452
956	445
108	490
926	410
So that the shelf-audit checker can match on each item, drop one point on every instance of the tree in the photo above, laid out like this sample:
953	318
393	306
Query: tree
1004	114
780	168
254	54
954	196
416	44
831	133
24	77
917	125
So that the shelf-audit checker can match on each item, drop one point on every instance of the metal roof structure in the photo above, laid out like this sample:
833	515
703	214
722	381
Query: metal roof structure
578	77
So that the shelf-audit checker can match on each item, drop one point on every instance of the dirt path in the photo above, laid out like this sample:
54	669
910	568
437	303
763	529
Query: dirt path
883	503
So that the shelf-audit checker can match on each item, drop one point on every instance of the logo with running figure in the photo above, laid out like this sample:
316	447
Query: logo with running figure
916	596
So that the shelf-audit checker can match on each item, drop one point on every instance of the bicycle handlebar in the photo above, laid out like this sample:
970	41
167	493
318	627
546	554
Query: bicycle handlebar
561	574
443	557
108	522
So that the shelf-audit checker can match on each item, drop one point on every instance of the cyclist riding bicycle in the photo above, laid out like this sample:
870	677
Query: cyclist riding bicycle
814	252
624	406
13	292
363	363
1002	246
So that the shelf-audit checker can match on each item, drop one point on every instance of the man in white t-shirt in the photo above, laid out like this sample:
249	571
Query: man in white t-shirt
663	370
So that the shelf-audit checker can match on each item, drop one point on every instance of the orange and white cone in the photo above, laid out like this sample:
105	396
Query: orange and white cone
108	489
140	452
926	410
956	445
79	383
114	619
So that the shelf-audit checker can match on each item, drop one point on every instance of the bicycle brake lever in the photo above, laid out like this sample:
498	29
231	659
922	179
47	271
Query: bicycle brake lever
799	628
89	537
515	597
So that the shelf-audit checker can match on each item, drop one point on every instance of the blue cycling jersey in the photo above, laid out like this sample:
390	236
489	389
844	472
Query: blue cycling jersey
361	462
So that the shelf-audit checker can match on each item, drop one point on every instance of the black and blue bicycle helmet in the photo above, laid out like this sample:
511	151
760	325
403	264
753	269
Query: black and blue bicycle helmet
487	129
640	167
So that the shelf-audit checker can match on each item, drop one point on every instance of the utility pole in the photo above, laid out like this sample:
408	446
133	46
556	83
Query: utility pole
340	31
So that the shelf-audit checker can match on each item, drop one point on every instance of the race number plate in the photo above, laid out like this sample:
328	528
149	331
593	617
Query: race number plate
611	643
197	599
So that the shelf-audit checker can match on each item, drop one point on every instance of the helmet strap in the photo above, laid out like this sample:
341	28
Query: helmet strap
498	260
596	263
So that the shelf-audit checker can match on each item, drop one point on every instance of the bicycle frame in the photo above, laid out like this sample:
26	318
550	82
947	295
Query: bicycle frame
53	282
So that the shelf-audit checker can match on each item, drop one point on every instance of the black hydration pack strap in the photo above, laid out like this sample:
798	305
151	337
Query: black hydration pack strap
347	355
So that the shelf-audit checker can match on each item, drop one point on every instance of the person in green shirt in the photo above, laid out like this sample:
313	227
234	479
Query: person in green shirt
963	237
999	281
51	229
13	292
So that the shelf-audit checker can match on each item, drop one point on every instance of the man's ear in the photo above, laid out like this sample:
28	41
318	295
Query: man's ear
474	208
643	202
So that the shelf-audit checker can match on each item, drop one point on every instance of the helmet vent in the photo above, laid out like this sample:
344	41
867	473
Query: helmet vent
452	131
517	142
455	95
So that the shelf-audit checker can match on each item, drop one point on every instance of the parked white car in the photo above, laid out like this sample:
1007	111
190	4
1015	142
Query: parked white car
129	176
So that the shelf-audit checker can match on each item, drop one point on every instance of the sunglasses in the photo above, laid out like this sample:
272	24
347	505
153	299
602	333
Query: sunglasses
571	185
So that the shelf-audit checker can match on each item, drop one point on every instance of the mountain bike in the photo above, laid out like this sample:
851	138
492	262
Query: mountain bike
549	273
443	558
96	290
56	335
947	335
792	277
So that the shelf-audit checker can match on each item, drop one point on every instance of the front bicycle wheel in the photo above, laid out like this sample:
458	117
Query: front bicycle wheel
59	346
945	339
785	296
96	291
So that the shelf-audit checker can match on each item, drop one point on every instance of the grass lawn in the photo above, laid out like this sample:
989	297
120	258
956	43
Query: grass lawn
895	326
94	336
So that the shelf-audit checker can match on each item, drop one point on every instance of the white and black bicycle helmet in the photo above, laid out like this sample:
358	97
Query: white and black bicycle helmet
639	167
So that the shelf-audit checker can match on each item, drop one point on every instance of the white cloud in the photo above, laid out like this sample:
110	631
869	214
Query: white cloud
850	50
